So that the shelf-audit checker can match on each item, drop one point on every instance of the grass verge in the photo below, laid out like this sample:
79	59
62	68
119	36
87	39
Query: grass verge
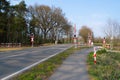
3	49
45	69
10	49
107	67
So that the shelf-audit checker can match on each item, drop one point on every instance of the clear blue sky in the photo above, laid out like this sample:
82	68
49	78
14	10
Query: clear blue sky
92	13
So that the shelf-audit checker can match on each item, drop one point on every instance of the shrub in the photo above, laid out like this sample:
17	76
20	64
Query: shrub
107	67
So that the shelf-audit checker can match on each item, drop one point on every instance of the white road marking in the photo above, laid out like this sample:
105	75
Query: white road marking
26	68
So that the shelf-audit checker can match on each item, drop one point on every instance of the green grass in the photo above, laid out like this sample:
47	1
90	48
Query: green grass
98	44
116	48
107	67
11	49
45	69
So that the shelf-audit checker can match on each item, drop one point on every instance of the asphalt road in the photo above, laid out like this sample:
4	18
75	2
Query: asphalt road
14	61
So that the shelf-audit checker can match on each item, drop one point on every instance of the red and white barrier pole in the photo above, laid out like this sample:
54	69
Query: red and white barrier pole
75	41
89	43
75	37
104	42
32	39
94	55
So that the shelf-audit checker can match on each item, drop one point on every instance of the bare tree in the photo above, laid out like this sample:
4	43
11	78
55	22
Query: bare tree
112	31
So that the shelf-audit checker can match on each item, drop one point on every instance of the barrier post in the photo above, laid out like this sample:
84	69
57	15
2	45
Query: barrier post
104	42
75	41
32	39
94	55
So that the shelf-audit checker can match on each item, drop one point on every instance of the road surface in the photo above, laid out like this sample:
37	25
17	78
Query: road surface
14	61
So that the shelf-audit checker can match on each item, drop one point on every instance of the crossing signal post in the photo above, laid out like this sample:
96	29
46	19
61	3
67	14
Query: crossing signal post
89	42
104	42
75	37
75	41
89	39
32	39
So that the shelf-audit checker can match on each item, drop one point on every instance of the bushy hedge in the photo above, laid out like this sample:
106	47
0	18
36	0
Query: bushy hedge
107	67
